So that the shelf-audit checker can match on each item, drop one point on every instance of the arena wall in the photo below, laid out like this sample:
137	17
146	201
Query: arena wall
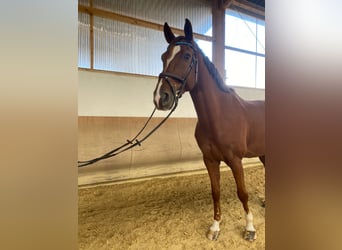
113	107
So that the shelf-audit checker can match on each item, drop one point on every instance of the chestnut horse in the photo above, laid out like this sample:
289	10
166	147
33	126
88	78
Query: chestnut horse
228	128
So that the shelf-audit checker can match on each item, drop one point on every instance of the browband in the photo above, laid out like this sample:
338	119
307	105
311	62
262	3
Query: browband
186	43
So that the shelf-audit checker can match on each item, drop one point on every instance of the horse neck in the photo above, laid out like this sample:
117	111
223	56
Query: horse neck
211	103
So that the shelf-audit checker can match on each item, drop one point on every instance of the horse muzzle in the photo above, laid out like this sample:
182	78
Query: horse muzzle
164	100
164	95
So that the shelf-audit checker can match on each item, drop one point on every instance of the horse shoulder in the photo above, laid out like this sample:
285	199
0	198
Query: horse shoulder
222	147
206	143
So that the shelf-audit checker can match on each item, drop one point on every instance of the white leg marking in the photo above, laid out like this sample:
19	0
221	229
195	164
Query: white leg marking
215	226
249	222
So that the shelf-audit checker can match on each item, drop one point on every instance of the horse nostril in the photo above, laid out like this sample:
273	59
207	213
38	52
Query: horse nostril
165	97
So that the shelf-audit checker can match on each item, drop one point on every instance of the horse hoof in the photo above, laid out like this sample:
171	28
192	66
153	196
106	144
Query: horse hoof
213	235
263	204
249	235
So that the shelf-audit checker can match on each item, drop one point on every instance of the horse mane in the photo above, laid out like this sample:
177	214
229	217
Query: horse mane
215	74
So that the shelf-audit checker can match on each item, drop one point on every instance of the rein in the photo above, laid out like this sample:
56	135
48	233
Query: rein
177	94
130	143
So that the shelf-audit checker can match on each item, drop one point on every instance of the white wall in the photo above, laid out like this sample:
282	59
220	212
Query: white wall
111	94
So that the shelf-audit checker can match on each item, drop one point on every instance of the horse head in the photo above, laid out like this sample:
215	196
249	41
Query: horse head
179	68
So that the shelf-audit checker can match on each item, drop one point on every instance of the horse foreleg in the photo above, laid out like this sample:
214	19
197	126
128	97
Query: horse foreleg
213	168
237	169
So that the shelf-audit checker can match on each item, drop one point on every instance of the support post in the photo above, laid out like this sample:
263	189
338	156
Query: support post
218	21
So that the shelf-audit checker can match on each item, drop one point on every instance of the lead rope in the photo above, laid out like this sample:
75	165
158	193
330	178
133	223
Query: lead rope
130	143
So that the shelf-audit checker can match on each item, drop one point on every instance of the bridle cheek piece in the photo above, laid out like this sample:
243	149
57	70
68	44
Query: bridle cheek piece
166	75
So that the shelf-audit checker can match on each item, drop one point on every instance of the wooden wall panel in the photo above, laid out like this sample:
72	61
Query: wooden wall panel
171	149
173	142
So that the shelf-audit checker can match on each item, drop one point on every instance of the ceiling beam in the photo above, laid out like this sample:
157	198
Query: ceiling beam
226	3
249	4
244	6
249	7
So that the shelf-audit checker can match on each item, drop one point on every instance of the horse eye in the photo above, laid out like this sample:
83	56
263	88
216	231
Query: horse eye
186	56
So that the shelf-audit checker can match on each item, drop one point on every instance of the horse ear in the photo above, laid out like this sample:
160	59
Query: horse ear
188	30
169	36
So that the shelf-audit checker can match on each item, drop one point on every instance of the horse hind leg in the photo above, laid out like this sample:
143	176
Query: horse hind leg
238	173
263	160
213	168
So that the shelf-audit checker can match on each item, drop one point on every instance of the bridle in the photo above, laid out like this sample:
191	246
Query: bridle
166	75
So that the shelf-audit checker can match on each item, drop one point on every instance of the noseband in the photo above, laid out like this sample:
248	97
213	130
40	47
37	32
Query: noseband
182	80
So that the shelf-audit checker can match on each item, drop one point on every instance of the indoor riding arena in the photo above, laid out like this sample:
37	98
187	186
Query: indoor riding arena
157	194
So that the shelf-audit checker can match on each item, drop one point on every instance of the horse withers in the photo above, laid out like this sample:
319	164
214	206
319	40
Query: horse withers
228	128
